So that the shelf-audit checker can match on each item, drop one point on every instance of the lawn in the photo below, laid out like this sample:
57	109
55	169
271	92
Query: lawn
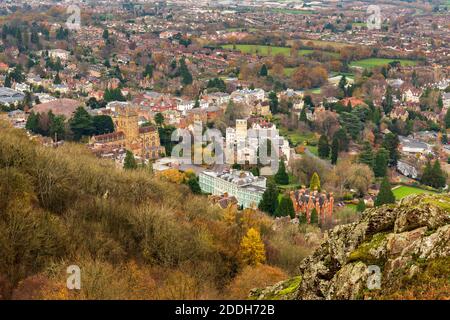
263	50
404	191
297	138
378	62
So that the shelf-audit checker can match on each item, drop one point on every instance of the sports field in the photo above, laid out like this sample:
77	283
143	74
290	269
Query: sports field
263	50
378	62
404	191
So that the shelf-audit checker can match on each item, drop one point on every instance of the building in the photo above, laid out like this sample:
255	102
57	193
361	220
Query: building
305	201
243	185
10	97
142	141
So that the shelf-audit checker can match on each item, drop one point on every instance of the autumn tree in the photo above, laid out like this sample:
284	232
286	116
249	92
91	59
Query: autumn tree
315	182
252	251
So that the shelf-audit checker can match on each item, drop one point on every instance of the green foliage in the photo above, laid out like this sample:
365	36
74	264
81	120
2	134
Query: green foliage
434	176
194	185
263	72
129	162
281	177
335	150
323	147
366	156
285	208
269	201
113	95
186	77
314	216
159	119
361	206
385	196
381	163
273	102
314	184
390	143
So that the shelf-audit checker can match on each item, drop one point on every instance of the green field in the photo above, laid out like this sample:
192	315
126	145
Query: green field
404	191
263	50
378	62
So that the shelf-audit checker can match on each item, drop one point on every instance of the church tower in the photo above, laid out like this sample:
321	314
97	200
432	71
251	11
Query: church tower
127	122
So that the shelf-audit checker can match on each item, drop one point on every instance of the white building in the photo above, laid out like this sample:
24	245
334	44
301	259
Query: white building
243	185
247	95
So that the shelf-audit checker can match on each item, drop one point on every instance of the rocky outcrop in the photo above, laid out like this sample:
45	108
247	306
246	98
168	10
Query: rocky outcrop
371	257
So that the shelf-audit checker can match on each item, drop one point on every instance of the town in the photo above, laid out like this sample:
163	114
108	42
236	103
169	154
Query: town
353	115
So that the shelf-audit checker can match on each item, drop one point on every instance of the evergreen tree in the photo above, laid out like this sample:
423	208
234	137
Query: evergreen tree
381	163
129	162
102	124
194	185
273	102
385	195
447	119
390	143
324	147
334	150
269	201
197	103
388	102
285	208
148	72
314	184
314	216
159	119
303	117
366	156
32	122
281	177
81	124
342	139
263	72
361	206
186	77
302	218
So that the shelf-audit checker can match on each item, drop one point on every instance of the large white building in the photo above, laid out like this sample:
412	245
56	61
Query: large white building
243	185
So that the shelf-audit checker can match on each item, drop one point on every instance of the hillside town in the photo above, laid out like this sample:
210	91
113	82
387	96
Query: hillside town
324	87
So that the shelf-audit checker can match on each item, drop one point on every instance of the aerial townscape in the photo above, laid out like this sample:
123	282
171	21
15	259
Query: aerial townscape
227	149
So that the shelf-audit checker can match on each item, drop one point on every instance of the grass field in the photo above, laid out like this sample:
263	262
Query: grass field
296	137
263	50
378	62
322	43
404	191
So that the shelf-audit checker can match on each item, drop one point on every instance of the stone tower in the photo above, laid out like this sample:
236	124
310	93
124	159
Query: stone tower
127	122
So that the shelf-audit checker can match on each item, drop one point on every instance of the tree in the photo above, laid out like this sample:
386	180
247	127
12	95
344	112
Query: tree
281	177
148	72
314	184
32	122
381	163
334	150
102	124
324	147
105	34
390	143
252	249
314	216
186	77
81	123
361	206
129	162
285	208
194	185
342	139
273	102
303	117
447	119
438	175
159	119
263	72
385	196
269	201
366	156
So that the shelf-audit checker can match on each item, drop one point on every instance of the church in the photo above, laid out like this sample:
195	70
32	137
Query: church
142	141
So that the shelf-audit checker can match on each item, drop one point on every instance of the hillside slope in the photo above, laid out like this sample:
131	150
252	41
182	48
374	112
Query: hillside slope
409	242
